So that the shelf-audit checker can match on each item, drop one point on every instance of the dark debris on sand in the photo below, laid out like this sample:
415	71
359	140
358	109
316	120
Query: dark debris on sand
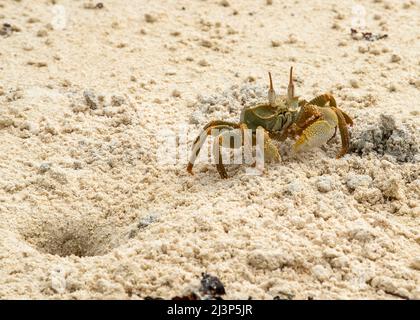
211	288
368	36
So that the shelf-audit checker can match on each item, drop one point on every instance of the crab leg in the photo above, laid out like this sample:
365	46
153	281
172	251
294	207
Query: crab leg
349	120
322	100
225	140
221	141
344	132
207	130
271	154
217	153
220	123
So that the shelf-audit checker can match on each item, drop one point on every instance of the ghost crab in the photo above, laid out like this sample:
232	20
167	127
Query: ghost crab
313	123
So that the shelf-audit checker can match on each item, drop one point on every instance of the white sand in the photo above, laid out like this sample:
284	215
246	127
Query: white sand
86	211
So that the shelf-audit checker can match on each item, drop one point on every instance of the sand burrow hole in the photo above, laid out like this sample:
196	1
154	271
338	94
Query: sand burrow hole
66	236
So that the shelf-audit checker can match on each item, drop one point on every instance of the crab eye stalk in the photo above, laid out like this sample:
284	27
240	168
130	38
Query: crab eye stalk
271	93
291	87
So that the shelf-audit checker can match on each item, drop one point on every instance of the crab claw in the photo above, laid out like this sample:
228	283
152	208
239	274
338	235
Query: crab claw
321	130
314	136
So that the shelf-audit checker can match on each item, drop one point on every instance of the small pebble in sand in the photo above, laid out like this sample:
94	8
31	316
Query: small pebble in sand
291	39
33	20
6	122
275	43
363	49
44	167
101	98
320	272
90	99
294	187
211	286
77	165
340	16
355	181
407	5
37	64
58	280
415	83
354	83
170	72
335	26
27	47
224	3
415	264
325	184
176	93
356	36
387	6
147	220
196	117
117	101
42	33
395	58
49	27
375	52
121	45
203	63
7	29
392	87
298	222
269	2
206	43
150	18
98	5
